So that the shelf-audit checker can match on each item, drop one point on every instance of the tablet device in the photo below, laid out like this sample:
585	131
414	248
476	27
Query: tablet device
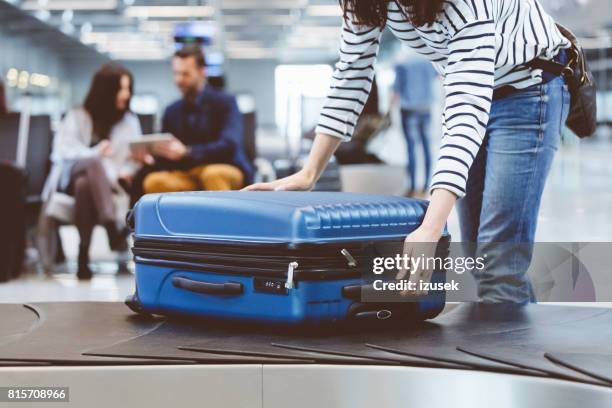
147	141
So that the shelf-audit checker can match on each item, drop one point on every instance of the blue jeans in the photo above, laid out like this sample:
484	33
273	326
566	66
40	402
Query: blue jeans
416	123
500	209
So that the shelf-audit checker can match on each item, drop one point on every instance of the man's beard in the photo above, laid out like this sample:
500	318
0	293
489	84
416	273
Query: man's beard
190	93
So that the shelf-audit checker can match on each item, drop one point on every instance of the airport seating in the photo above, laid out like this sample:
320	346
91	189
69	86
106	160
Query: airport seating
9	130
264	170
147	123
40	140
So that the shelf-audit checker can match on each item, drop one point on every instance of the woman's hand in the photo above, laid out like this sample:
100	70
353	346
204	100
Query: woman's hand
104	148
322	149
300	181
420	249
422	242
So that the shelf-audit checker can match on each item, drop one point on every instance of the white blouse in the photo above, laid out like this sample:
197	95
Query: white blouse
476	45
74	136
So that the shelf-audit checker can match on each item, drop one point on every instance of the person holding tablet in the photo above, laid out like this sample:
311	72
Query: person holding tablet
501	122
206	152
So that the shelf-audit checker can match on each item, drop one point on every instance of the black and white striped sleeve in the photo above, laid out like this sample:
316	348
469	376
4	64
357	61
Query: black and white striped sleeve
468	86
351	81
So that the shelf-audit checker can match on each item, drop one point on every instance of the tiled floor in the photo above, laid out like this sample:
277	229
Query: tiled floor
577	206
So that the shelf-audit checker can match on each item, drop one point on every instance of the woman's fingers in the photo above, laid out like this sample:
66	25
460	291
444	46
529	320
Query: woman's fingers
426	251
258	187
404	270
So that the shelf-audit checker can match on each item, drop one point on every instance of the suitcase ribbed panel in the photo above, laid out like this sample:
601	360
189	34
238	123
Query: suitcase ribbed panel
370	215
277	217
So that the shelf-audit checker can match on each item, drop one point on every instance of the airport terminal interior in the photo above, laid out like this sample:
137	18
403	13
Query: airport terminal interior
276	58
135	270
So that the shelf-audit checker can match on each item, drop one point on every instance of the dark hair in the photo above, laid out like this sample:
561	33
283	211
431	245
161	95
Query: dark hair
3	104
373	13
192	51
101	100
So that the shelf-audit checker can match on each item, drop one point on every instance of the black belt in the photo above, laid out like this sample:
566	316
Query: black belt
504	92
556	67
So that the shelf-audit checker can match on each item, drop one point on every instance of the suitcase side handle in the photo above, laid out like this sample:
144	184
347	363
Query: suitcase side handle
207	288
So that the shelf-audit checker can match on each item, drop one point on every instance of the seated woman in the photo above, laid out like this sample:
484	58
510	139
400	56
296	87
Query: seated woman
92	156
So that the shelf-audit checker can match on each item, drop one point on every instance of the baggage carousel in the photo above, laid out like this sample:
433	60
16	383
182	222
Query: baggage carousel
473	355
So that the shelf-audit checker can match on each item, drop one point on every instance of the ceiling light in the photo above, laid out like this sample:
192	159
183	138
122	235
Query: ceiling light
67	16
22	81
40	80
86	28
257	20
277	4
12	76
250	4
154	54
232	44
57	5
42	15
169	11
324	10
251	53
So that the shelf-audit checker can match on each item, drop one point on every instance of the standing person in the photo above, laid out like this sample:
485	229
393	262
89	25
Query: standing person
501	122
207	151
413	90
91	155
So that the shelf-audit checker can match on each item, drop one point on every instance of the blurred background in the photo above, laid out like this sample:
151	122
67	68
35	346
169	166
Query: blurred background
277	58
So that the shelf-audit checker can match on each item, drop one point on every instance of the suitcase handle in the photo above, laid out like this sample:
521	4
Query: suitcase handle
207	288
353	292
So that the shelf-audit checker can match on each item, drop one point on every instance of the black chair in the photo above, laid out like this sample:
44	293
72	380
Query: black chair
249	123
38	161
9	134
40	142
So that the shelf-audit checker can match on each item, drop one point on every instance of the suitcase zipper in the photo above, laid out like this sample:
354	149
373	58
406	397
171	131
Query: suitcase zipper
329	261
337	262
289	284
265	255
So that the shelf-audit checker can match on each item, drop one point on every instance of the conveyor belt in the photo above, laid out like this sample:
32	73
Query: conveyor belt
64	330
164	343
595	365
17	320
570	343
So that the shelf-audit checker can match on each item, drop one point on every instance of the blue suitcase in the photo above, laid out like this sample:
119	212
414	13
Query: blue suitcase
276	257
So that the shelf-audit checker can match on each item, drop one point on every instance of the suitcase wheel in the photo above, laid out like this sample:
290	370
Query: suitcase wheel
134	304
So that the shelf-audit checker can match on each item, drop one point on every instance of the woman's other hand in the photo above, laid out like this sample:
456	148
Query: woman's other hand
300	181
322	150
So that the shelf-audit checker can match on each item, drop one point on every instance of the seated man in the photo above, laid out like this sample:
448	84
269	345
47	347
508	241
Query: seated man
207	152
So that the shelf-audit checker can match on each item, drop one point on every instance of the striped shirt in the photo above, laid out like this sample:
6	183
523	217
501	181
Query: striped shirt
476	45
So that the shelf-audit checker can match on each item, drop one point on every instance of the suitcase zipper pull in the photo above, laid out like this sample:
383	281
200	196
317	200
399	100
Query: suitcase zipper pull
351	261
289	284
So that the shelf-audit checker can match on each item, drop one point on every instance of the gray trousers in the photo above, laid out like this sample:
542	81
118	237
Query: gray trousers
93	195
